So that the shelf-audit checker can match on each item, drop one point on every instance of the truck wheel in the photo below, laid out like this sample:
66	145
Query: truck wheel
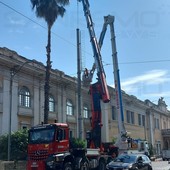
84	165
136	168
150	168
102	165
68	166
109	160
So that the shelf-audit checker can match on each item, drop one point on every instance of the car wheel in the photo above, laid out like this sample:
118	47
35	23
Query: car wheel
84	165
102	165
68	166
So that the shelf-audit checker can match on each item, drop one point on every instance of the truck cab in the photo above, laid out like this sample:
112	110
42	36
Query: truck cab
46	140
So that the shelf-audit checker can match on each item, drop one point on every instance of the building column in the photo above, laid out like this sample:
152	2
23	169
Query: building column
15	105
61	104
6	110
36	106
6	107
151	127
105	127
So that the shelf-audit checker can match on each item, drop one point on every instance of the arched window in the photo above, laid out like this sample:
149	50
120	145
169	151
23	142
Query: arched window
24	97
51	104
85	112
114	113
69	107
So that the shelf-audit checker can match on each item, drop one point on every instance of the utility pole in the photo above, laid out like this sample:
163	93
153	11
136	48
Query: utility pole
13	71
80	123
12	74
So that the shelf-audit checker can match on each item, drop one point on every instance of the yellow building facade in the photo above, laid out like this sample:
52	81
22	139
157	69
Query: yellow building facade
22	104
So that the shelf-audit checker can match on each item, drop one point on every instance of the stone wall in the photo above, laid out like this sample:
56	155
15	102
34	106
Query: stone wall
12	165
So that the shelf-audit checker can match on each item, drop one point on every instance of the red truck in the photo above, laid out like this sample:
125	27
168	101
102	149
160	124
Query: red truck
49	148
49	144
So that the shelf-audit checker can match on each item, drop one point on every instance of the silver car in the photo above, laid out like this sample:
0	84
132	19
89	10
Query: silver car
130	162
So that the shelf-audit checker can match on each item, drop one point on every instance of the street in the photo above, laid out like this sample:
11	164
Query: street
160	165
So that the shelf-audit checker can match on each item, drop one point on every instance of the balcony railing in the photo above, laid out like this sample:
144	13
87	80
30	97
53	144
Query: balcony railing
165	132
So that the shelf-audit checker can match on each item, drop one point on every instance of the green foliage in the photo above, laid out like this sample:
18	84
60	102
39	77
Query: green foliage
114	140
3	147
19	142
151	150
77	143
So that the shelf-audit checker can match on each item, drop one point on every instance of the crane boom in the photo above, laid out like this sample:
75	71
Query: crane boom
109	20
96	52
99	90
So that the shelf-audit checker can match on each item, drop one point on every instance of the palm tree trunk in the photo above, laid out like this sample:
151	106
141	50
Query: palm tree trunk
47	78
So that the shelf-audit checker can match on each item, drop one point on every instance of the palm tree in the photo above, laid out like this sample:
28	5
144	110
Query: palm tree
49	10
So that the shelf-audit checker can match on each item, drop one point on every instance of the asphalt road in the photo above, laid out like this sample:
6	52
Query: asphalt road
160	165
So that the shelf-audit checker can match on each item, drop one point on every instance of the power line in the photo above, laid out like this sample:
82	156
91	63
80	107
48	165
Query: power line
140	62
36	22
22	14
143	62
45	27
107	64
133	62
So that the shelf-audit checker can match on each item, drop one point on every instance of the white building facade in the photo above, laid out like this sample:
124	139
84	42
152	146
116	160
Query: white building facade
22	103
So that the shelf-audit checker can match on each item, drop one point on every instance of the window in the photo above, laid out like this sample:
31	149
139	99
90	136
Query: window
130	117
24	127
69	108
24	97
158	148
70	134
61	134
51	104
114	113
85	112
164	125
145	158
141	120
156	123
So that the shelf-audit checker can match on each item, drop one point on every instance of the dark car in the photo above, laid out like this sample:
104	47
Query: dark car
130	162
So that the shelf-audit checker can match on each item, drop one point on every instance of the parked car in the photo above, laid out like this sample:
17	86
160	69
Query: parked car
166	155
130	162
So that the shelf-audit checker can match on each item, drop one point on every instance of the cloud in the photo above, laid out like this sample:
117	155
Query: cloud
160	94
151	85
16	25
15	21
27	48
150	78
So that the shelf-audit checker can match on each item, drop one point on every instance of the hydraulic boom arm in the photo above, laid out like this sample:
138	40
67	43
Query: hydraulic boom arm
98	90
96	51
109	20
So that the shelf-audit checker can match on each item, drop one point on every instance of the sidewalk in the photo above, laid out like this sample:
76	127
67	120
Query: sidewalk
155	159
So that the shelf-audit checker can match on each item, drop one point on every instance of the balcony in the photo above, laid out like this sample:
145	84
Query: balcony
165	132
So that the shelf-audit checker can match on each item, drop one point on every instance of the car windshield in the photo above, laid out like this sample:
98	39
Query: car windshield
41	135
126	158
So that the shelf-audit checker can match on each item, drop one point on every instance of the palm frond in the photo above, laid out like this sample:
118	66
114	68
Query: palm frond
49	9
62	2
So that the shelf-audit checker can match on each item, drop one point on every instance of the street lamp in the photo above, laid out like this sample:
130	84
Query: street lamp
13	71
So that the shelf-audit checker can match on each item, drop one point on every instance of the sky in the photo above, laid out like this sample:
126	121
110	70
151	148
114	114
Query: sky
142	29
